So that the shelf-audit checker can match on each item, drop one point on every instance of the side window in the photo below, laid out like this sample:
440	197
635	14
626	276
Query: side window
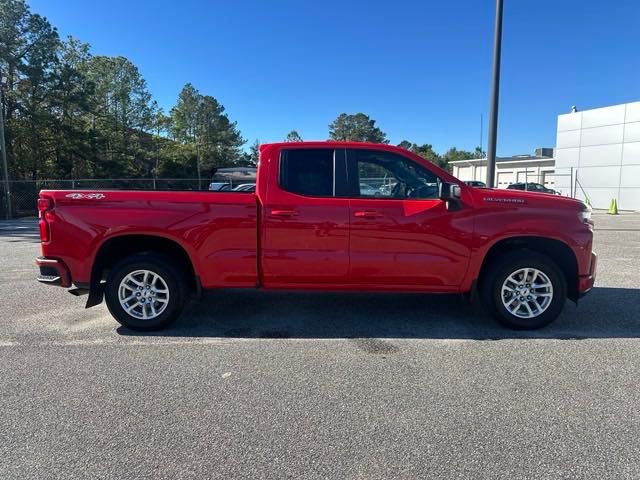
388	175
307	171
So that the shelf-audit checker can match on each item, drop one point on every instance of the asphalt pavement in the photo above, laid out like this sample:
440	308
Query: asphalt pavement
312	385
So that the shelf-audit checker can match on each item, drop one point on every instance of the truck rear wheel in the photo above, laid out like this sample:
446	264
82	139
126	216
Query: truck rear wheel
524	290
145	292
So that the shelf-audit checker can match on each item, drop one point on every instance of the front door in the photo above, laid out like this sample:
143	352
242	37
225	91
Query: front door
305	226
402	234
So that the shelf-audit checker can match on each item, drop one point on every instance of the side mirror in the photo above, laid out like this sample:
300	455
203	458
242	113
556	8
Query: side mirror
450	193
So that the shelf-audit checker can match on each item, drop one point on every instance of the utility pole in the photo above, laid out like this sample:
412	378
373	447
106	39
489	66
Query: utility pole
493	105
481	131
3	146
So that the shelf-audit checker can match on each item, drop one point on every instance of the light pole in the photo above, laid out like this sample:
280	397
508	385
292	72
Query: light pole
493	105
3	146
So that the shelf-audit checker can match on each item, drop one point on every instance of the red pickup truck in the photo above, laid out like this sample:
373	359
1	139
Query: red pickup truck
324	216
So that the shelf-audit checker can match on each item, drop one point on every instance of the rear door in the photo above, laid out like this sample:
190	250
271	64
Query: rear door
402	235
305	229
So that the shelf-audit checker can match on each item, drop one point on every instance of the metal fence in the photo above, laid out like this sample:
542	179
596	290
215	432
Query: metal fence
23	194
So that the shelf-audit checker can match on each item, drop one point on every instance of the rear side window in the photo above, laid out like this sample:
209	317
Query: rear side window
307	171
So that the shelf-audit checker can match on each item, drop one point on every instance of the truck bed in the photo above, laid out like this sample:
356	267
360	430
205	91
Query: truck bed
217	230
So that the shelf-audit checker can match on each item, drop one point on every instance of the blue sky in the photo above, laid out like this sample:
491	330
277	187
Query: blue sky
421	69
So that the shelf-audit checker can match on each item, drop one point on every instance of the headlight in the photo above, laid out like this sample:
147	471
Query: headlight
585	214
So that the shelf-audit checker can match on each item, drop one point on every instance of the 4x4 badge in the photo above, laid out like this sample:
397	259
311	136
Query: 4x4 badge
89	196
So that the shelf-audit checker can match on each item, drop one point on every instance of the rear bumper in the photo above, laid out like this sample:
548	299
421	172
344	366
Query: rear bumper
53	272
586	282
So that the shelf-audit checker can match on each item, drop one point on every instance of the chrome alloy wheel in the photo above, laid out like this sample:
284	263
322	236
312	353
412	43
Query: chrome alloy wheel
527	293
143	294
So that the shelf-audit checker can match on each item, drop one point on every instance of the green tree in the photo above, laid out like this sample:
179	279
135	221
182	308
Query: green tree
184	119
479	153
70	114
220	138
161	124
405	144
184	115
199	121
250	158
454	154
121	117
28	56
175	160
356	128
426	151
72	103
293	136
254	153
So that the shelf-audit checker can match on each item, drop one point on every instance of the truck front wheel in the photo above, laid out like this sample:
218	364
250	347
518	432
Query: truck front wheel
145	292
524	290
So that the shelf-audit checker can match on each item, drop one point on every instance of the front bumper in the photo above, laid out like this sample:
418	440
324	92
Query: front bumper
586	282
53	272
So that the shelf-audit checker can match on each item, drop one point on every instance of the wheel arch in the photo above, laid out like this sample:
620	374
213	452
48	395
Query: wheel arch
117	247
557	250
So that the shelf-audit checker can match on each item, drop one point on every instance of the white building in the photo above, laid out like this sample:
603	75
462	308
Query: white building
597	158
538	168
598	155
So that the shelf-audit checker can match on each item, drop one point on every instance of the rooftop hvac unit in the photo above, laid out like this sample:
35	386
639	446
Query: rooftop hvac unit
544	152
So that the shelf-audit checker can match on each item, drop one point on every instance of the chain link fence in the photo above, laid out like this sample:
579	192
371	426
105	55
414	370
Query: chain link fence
23	194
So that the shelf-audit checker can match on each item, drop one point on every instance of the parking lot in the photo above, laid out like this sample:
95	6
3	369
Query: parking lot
302	385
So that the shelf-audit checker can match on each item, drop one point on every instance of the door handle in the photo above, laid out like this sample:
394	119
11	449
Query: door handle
367	214
284	213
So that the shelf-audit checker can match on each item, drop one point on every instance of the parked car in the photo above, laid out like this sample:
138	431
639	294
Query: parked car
531	187
386	189
307	226
368	190
245	187
475	183
219	187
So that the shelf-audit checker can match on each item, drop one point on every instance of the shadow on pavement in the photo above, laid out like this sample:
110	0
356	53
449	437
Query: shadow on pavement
604	313
20	230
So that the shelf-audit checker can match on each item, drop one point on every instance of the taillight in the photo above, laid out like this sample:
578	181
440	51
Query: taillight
44	206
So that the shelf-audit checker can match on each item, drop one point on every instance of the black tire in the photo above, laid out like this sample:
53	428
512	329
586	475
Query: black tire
502	268
172	276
